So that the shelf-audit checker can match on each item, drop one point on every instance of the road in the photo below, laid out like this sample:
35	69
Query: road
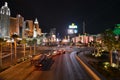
69	69
65	67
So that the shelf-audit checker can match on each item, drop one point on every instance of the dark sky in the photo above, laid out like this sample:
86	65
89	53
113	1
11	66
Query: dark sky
97	14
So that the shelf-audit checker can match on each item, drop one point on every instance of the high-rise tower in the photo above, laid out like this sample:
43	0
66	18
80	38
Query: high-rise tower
36	29
4	20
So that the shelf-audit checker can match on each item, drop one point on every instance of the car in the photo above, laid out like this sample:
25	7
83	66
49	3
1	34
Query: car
61	51
54	53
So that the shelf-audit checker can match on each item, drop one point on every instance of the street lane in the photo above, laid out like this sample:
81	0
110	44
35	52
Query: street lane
65	67
78	69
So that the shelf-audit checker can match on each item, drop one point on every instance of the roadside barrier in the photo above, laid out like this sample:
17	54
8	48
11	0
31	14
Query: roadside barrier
93	75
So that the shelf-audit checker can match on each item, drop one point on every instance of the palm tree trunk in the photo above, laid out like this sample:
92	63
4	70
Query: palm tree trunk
97	50
24	50
1	56
15	48
34	49
111	60
11	52
118	58
30	50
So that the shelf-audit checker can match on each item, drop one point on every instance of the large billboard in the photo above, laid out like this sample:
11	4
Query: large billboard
73	26
72	29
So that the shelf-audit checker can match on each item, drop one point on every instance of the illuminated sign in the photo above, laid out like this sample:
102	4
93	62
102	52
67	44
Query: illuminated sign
73	26
72	31
75	31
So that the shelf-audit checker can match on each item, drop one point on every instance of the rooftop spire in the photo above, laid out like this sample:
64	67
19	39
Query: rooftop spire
5	10
6	4
36	21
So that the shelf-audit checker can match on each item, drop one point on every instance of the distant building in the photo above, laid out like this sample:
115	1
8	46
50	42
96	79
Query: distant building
53	31
53	34
31	29
87	38
4	20
20	21
28	29
16	25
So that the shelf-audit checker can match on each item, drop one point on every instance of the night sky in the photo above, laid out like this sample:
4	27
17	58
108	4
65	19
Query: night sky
97	14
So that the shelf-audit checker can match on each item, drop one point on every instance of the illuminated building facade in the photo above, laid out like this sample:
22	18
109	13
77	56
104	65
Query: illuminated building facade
4	20
16	25
28	29
53	34
31	29
36	29
20	21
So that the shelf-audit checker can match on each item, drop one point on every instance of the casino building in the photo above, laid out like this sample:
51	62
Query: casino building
4	20
17	25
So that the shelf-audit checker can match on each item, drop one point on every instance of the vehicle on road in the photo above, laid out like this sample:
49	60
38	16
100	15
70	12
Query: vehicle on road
43	61
58	52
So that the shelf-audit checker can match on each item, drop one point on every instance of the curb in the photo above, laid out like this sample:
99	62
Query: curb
92	74
12	66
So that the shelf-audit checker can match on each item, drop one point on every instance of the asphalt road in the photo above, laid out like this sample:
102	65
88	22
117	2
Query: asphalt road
65	67
69	69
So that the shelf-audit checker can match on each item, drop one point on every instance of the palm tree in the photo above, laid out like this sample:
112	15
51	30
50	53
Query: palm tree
11	51
1	41
30	43
116	31
14	36
94	43
24	41
117	47
98	47
109	40
34	42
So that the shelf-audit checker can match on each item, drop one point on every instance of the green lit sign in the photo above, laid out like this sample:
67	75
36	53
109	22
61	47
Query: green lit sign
117	29
73	26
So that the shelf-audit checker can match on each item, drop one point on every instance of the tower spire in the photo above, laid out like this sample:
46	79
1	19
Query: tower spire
83	27
6	4
36	21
